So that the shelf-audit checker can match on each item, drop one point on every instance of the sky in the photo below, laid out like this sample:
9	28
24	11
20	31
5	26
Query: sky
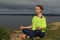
28	6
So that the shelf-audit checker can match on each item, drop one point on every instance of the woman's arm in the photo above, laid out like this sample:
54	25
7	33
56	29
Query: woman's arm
27	27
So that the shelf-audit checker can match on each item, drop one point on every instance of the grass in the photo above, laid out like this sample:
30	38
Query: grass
50	34
4	33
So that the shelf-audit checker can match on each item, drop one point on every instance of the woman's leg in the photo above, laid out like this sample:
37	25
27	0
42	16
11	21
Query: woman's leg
28	32
41	34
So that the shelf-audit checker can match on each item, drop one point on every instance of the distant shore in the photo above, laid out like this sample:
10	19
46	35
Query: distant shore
30	14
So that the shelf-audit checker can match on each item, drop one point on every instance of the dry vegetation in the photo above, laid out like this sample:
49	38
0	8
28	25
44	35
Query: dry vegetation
52	32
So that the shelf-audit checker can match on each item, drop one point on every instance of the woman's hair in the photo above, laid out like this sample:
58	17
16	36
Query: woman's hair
41	7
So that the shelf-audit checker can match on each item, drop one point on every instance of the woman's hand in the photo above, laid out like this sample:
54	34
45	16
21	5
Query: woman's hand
37	28
21	27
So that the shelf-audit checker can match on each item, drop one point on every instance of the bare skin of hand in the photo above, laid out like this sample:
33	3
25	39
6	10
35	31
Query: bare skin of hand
37	28
21	27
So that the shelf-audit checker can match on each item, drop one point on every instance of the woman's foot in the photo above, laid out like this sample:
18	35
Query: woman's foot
23	36
37	38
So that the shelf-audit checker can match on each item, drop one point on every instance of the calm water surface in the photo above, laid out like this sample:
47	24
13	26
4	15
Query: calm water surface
13	22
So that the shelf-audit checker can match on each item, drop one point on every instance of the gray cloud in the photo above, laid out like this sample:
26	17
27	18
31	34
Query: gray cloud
17	2
34	2
27	6
16	11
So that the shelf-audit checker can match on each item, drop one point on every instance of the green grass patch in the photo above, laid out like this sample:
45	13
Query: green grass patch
4	33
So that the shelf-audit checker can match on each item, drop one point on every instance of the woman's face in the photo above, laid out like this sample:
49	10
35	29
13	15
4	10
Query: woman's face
37	10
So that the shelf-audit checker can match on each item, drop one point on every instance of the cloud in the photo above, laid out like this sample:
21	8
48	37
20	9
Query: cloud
27	6
16	11
34	2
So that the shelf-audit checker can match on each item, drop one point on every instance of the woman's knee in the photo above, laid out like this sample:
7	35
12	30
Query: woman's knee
27	32
24	30
42	36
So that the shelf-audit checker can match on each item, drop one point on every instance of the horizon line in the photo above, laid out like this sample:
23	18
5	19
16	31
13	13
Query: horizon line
29	14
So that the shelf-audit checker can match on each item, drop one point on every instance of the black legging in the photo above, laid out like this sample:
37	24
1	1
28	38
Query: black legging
31	33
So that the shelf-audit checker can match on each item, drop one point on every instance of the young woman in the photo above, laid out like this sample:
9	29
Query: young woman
38	24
